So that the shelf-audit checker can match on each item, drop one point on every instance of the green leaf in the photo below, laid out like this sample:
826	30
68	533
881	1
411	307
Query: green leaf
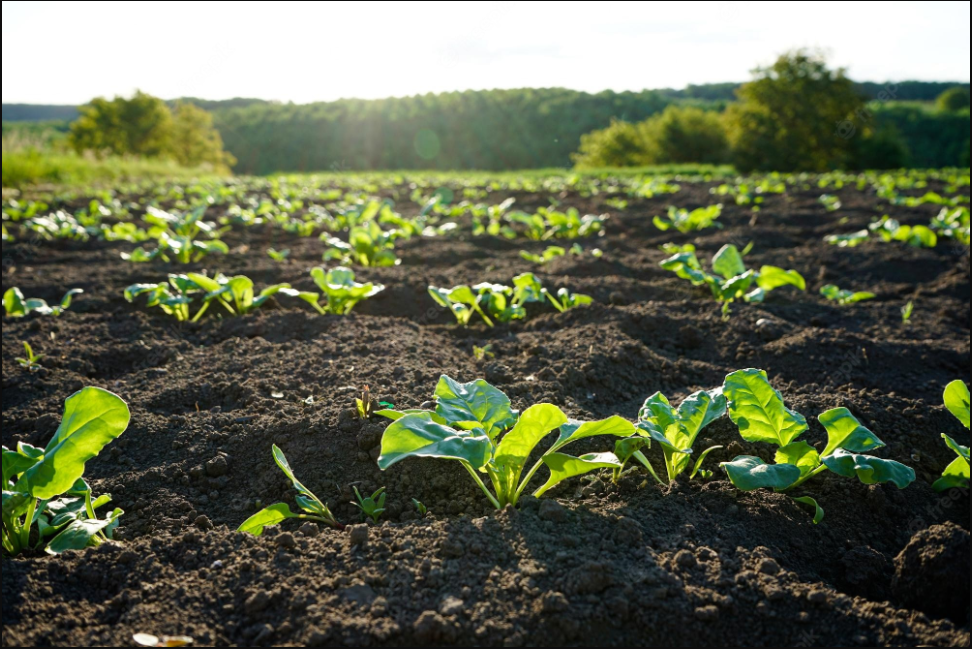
956	476
759	411
284	464
701	460
535	423
728	263
818	512
701	409
957	401
395	415
268	517
576	430
750	473
844	431
69	296
801	455
476	402
14	464
420	436
563	467
771	277
15	504
92	419
625	449
961	451
869	470
13	303
81	533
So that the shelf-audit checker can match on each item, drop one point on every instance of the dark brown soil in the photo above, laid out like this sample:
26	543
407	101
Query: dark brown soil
598	565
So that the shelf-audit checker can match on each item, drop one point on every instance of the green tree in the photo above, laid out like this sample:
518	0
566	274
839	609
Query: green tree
953	99
194	141
144	126
797	115
621	144
139	126
686	135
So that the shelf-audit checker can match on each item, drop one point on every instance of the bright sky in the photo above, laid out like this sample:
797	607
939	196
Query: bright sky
69	52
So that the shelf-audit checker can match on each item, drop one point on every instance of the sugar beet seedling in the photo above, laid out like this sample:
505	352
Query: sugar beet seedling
475	425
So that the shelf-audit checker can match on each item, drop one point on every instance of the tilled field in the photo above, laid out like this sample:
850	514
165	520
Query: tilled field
595	564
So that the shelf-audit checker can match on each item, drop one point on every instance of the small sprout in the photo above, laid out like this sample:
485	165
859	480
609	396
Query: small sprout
146	640
278	256
372	507
907	311
364	404
844	297
848	240
956	476
313	508
30	363
483	353
422	510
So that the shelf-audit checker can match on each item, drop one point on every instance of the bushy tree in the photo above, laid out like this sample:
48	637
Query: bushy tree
686	134
144	126
797	115
953	99
141	125
194	139
621	144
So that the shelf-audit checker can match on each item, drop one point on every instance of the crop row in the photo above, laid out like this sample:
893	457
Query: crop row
48	504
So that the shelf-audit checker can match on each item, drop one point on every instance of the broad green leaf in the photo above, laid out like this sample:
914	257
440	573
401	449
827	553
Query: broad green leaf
563	467
92	419
801	455
818	512
625	449
395	415
961	451
869	470
477	401
535	423
661	422
13	303
268	517
771	277
576	430
14	464
15	504
736	287
80	534
728	263
420	436
844	431
701	409
750	473
759	411
956	476
957	401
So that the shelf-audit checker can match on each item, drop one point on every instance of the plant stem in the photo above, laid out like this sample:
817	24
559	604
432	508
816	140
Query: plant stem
479	481
25	531
820	469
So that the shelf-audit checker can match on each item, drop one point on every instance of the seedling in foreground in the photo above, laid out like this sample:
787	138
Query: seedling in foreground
844	297
483	353
761	415
956	476
32	361
474	424
313	508
496	302
16	306
368	245
677	430
422	510
45	487
372	507
364	404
